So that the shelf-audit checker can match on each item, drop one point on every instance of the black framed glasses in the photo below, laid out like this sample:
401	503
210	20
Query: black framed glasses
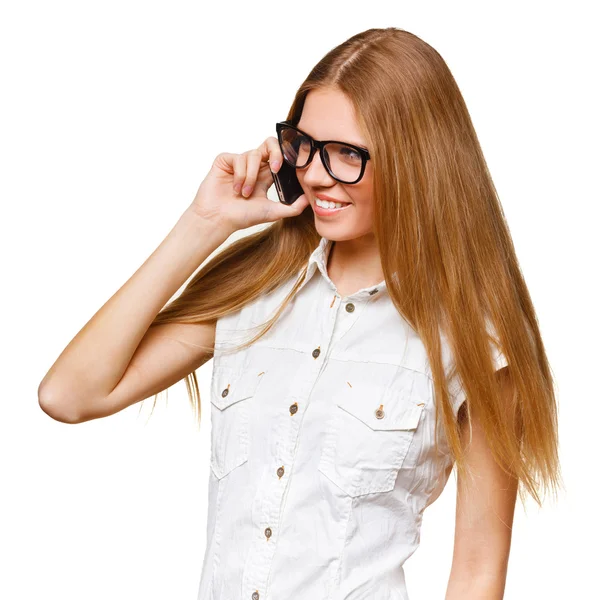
344	162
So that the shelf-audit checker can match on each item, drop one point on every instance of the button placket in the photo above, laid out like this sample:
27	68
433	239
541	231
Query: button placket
274	492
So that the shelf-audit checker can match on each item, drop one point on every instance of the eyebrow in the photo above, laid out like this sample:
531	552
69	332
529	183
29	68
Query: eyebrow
340	141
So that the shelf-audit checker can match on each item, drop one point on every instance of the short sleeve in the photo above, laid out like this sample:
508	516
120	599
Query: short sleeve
457	393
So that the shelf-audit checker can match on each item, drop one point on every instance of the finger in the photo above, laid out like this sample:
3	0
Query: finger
274	152
253	160
224	162
239	172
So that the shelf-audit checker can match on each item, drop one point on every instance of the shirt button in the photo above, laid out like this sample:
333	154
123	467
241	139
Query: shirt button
316	352
294	408
225	392
379	413
268	532
255	595
349	307
280	472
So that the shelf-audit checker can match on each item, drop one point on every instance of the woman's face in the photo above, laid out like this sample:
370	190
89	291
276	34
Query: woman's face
329	115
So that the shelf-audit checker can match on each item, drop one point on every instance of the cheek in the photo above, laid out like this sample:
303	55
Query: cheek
362	196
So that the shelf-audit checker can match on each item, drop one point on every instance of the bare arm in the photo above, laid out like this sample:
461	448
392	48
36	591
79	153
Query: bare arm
484	517
82	383
116	360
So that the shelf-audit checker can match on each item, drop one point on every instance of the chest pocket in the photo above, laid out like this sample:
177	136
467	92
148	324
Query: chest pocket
232	390
369	435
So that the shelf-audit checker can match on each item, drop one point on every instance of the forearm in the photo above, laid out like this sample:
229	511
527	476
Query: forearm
94	361
483	586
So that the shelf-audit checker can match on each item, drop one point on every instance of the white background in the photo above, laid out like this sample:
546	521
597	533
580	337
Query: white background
111	115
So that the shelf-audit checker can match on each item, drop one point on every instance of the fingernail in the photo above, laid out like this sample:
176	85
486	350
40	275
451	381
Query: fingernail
274	165
246	191
237	188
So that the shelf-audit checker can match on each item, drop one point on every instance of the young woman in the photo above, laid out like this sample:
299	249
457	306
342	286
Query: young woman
347	336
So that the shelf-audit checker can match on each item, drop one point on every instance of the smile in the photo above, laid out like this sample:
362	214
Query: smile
326	212
324	209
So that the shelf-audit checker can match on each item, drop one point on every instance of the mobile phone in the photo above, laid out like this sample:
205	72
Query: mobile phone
287	185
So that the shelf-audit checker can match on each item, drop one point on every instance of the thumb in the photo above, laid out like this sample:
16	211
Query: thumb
287	210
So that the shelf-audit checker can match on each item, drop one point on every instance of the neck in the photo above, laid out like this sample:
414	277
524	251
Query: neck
354	264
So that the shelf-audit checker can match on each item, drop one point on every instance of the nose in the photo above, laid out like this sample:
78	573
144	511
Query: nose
315	173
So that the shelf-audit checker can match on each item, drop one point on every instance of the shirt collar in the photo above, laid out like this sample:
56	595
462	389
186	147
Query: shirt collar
318	260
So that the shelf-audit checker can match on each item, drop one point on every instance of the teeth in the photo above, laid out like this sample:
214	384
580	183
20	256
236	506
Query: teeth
328	204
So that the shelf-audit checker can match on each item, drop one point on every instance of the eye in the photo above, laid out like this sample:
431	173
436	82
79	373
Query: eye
350	153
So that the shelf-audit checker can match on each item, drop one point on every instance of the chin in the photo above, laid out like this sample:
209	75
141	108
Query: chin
335	231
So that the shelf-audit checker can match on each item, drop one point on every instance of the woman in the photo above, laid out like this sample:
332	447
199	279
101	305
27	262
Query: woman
346	339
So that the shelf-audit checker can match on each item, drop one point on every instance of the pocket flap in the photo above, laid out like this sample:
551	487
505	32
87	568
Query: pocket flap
381	409
229	386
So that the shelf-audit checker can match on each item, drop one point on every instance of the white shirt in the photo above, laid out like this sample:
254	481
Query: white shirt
321	447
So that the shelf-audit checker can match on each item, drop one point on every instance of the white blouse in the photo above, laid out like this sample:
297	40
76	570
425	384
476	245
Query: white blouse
321	447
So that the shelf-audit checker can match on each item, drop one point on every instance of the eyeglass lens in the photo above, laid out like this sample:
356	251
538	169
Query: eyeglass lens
344	162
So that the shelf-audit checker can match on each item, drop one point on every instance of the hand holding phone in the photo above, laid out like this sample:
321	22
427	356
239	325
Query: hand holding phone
220	199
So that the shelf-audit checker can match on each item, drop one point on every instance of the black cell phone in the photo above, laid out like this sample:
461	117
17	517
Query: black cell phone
287	185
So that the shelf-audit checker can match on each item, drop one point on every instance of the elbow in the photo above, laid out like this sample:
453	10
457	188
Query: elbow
58	410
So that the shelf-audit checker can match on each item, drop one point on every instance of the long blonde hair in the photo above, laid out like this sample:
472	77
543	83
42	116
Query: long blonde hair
446	251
